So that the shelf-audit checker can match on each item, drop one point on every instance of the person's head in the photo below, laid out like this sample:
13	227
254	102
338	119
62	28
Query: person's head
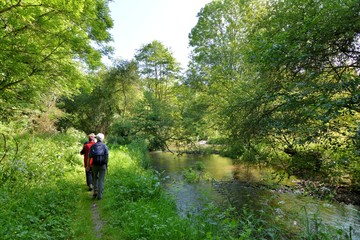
91	137
100	137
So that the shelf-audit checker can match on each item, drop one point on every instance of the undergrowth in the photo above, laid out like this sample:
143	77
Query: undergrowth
36	196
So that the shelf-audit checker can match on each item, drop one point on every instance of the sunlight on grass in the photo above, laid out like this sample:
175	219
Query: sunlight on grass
120	159
82	223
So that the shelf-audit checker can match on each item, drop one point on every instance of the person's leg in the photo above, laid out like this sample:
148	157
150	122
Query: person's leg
89	179
95	171
102	172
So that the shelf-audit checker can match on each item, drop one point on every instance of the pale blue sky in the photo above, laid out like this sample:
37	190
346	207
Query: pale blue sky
139	22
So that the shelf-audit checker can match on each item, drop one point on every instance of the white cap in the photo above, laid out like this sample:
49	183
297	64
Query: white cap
100	137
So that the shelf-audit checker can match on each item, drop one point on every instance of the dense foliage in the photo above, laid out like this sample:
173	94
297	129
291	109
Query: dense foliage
37	198
284	80
44	46
268	82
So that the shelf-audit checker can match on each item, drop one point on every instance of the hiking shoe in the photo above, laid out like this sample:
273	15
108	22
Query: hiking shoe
90	187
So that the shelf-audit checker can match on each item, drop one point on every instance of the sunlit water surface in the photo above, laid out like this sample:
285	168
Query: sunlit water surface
221	187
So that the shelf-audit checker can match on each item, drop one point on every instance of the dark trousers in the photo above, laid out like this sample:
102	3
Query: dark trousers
99	180
89	177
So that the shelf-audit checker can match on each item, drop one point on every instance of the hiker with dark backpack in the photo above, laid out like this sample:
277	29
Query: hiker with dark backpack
100	155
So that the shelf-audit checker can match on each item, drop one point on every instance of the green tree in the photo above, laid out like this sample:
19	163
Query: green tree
158	68
306	54
123	90
114	91
296	89
123	83
155	115
153	122
44	47
217	68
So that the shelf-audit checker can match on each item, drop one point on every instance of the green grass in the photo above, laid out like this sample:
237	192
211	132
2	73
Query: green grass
82	226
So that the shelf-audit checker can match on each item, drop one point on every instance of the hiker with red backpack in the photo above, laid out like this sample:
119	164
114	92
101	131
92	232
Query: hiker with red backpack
87	164
100	155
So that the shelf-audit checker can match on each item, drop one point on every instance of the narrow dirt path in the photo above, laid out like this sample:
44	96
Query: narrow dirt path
96	219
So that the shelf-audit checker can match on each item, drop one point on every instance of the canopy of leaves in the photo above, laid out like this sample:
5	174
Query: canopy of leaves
43	44
307	57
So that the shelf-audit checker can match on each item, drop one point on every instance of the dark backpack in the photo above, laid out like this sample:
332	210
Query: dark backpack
97	152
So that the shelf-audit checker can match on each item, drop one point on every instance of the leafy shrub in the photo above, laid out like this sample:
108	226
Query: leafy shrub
306	164
138	151
191	176
121	132
199	166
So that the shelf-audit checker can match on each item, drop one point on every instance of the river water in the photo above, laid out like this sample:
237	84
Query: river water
240	185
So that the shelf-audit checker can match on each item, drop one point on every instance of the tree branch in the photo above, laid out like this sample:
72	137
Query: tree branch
18	4
5	151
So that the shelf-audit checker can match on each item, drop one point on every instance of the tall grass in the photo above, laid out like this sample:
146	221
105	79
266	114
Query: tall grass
36	197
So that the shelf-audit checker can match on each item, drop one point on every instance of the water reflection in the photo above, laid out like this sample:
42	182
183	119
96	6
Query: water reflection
217	167
235	185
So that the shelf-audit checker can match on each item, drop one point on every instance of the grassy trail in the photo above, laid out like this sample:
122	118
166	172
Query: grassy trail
92	217
88	223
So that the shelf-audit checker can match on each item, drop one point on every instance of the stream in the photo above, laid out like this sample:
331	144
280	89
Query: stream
240	186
